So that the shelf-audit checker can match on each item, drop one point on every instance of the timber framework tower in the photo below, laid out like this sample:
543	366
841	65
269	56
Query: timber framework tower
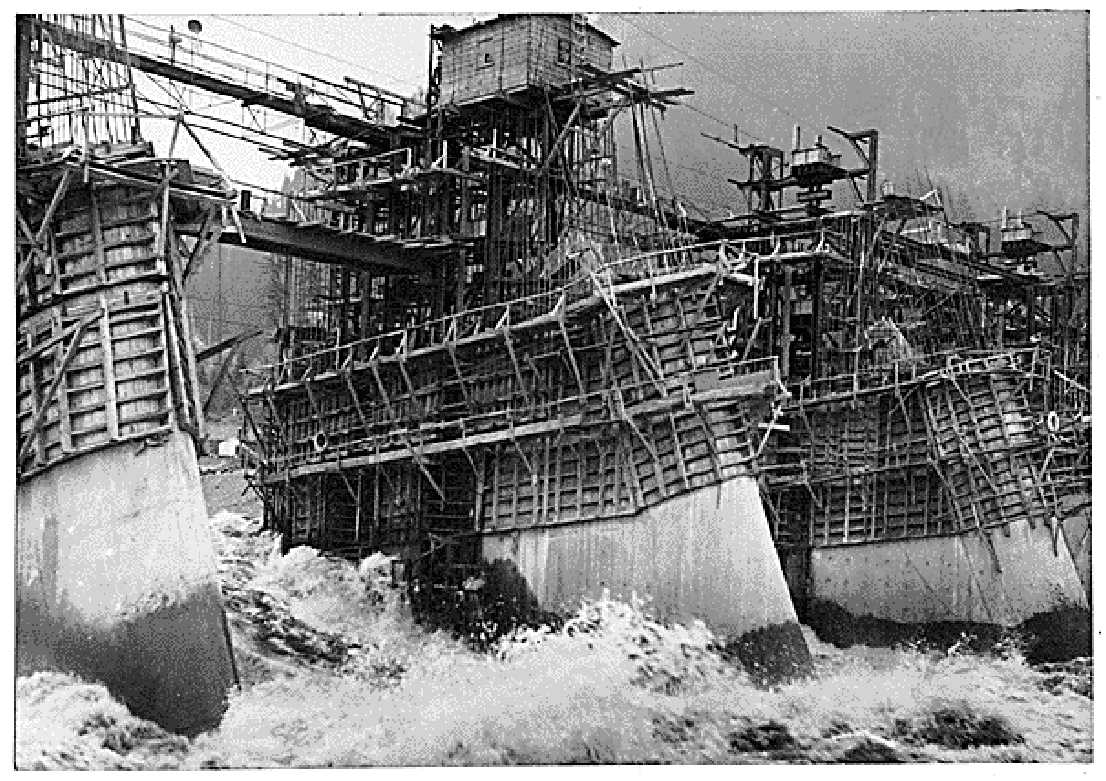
885	373
503	339
467	379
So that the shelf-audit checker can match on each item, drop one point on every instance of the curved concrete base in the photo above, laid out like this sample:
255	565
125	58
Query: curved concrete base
116	581
705	554
945	585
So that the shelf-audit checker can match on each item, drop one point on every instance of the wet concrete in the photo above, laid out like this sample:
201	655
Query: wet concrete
116	581
1058	635
968	579
1022	581
705	554
773	654
167	664
1077	533
1055	635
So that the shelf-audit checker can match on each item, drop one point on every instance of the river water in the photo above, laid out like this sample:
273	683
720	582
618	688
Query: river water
335	674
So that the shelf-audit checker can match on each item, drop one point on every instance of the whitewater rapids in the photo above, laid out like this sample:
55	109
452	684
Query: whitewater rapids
336	674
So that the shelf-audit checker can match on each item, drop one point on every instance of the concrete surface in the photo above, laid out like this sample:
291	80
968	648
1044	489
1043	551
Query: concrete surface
705	554
116	581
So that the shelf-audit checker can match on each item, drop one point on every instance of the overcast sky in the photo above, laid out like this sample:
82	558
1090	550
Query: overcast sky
992	105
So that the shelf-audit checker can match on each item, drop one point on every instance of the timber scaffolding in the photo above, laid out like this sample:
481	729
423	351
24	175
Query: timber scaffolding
937	386
590	401
419	412
924	429
104	351
913	449
467	295
925	399
115	574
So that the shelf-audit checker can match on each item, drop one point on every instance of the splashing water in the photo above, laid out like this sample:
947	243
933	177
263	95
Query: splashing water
611	685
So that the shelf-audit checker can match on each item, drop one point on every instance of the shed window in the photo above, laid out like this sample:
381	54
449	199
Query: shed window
487	58
564	51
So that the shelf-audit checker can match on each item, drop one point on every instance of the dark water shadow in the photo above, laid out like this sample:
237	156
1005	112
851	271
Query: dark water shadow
171	664
1056	635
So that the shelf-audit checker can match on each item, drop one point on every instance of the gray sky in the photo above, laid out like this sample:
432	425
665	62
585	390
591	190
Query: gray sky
992	105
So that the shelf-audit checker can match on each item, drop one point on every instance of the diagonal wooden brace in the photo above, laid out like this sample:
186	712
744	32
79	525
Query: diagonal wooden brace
59	374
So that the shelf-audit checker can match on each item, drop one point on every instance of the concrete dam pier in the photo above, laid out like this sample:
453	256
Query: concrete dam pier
506	352
704	555
937	512
559	448
117	581
116	577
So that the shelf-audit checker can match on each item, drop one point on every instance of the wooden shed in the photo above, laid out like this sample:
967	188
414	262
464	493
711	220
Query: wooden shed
513	52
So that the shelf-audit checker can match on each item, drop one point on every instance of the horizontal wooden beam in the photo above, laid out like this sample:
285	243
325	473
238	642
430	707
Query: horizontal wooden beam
544	322
215	349
743	386
357	250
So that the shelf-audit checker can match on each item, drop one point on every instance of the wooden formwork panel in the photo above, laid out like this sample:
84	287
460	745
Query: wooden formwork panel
498	382
612	471
101	238
385	506
984	428
635	399
955	452
101	357
392	400
115	385
581	477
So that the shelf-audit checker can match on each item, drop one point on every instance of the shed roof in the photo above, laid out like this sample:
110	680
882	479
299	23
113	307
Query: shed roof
447	32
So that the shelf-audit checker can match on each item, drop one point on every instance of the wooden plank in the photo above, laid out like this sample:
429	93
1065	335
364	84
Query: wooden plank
228	359
43	405
111	406
39	401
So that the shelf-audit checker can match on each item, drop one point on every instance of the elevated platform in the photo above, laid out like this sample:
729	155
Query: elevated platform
337	115
314	240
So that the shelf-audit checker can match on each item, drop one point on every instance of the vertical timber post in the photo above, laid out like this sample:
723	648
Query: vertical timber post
816	320
785	326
